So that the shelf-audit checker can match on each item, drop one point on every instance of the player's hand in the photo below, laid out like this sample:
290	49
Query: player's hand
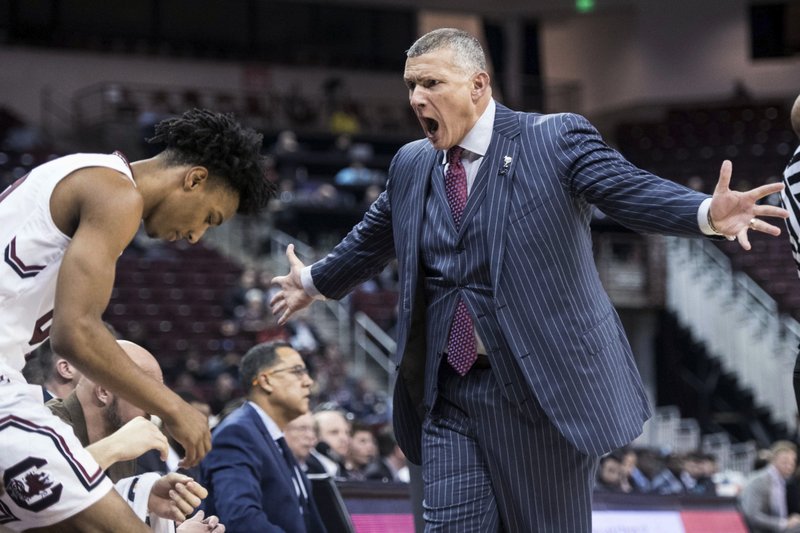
190	427
140	436
292	297
734	213
175	496
199	524
129	442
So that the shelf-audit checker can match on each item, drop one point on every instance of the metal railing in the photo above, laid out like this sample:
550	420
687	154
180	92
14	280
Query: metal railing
738	322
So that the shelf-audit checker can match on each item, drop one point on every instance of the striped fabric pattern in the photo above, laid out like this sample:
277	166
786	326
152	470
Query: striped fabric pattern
536	481
790	198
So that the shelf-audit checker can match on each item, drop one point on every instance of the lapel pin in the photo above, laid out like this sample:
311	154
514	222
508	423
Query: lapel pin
506	164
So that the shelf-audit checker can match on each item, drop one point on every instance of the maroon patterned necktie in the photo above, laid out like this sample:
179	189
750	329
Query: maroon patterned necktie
461	352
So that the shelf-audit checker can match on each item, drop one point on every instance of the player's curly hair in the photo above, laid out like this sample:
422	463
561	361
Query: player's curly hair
227	149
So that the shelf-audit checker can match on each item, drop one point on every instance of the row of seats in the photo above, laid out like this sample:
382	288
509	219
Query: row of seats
172	296
690	144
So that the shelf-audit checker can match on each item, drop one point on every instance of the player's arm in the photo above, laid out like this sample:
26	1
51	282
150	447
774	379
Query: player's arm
129	442
108	212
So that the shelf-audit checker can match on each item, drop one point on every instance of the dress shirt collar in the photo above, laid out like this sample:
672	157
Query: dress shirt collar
274	431
476	142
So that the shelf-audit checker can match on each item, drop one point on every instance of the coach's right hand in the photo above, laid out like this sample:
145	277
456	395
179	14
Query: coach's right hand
292	297
189	427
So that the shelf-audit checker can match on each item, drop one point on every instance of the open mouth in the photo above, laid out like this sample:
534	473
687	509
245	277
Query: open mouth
430	125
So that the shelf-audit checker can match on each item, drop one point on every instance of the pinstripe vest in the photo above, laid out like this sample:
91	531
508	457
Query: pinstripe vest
456	263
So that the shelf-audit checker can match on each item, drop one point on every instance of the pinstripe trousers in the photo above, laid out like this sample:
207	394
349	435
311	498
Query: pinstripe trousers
487	466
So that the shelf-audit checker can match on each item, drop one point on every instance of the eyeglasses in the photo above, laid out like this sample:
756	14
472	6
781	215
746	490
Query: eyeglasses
299	371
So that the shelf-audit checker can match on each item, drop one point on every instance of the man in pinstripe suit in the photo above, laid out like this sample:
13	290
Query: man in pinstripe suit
514	374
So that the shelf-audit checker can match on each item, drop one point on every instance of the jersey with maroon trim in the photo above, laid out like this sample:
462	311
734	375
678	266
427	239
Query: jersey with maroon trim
33	248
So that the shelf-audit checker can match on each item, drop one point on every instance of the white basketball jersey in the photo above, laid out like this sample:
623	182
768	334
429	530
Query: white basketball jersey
32	251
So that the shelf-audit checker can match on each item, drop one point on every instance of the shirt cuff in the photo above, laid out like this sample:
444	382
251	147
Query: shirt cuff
702	218
308	284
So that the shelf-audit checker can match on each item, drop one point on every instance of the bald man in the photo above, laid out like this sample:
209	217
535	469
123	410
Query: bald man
115	432
94	412
791	202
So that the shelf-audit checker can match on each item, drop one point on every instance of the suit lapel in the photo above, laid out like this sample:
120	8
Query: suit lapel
420	181
501	163
272	449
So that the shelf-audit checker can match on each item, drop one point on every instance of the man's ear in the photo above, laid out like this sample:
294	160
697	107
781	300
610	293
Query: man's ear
194	178
102	395
65	369
264	384
480	84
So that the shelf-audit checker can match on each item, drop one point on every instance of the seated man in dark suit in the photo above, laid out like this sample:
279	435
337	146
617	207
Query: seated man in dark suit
254	482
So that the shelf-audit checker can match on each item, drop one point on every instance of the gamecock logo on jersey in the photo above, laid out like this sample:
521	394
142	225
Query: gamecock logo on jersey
30	486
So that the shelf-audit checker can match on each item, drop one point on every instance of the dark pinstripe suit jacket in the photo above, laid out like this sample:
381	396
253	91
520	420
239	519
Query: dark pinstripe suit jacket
558	321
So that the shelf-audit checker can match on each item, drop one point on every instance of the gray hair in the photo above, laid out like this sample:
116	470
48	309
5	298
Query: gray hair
466	48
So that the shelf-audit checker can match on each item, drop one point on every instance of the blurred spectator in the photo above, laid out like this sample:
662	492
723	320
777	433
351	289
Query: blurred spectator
121	103
224	390
154	112
301	438
362	451
667	481
345	119
763	499
609	474
694	477
235	296
333	441
303	336
298	108
633	479
391	464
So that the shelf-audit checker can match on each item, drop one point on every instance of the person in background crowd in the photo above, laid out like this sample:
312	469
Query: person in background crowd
391	463
333	441
694	477
633	479
609	474
301	438
763	499
361	452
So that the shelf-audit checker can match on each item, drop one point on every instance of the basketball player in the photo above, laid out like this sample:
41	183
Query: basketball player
62	228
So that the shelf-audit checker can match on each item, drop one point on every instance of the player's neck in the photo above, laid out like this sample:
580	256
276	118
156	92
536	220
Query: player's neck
154	181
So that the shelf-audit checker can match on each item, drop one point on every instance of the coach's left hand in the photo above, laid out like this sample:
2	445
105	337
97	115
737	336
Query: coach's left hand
733	213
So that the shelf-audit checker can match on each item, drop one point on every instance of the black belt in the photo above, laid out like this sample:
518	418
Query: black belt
482	361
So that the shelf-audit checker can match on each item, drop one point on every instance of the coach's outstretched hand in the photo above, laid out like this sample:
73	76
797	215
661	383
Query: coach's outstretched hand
292	297
734	212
